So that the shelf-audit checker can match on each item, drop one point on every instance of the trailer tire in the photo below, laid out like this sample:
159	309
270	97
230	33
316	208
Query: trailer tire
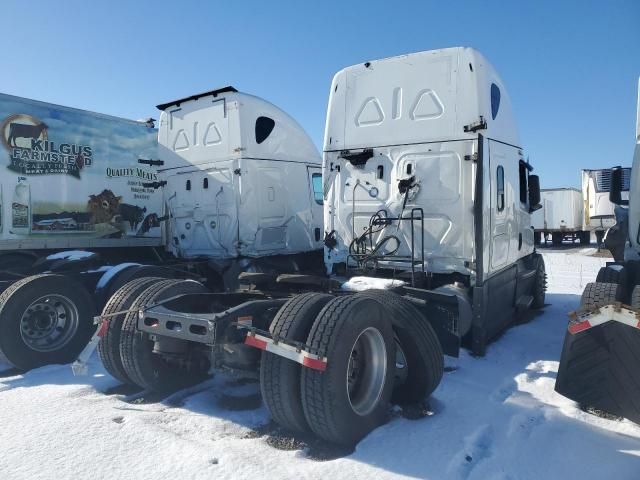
417	346
556	239
146	369
44	319
109	346
540	286
280	377
350	398
598	294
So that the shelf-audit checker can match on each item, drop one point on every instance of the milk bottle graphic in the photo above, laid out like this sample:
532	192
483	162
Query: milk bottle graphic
21	207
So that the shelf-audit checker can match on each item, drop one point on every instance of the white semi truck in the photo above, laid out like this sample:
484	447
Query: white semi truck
601	351
228	183
426	191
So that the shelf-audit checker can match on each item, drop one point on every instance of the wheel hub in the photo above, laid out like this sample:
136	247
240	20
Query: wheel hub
366	372
49	323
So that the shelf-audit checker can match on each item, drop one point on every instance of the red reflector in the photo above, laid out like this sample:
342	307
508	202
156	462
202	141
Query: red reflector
254	342
314	363
579	327
103	328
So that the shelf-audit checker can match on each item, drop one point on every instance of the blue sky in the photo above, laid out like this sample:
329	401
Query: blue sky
571	67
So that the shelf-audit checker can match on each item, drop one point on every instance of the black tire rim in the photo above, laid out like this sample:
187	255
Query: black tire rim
367	371
49	323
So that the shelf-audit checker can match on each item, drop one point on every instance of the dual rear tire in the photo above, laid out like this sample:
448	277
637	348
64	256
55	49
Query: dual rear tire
128	354
379	349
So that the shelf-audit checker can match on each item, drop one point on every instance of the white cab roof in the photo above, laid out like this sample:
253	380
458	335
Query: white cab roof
416	98
224	124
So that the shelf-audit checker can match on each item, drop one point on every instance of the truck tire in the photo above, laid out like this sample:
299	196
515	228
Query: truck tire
280	377
585	238
146	369
129	274
350	398
419	357
540	285
44	319
109	346
614	275
556	239
598	295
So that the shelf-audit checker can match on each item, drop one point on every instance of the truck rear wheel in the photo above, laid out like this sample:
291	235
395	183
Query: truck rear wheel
540	285
350	398
419	358
44	319
109	346
556	239
280	377
150	370
614	274
598	295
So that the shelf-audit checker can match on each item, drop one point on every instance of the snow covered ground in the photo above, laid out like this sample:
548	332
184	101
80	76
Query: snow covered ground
493	418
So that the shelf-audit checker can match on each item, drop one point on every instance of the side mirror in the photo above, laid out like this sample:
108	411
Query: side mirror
615	190
534	193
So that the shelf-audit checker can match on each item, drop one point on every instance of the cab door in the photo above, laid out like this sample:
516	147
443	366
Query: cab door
500	208
316	197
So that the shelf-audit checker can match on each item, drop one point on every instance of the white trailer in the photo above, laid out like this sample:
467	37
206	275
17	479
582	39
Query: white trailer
561	216
73	178
598	209
427	193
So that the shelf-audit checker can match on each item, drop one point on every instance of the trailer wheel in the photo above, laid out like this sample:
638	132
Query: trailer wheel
585	237
598	295
350	398
556	239
149	370
419	358
44	319
109	346
540	285
280	377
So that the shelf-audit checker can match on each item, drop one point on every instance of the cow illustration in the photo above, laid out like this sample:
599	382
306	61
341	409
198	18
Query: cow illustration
103	207
21	130
132	214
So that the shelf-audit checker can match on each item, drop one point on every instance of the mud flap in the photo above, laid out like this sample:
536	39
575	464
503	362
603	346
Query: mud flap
599	368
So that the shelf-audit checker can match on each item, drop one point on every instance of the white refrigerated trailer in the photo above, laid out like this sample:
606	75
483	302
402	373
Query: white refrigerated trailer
561	216
599	213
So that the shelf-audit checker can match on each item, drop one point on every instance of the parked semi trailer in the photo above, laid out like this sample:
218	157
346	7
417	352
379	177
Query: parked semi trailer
598	209
225	184
600	356
426	192
561	217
